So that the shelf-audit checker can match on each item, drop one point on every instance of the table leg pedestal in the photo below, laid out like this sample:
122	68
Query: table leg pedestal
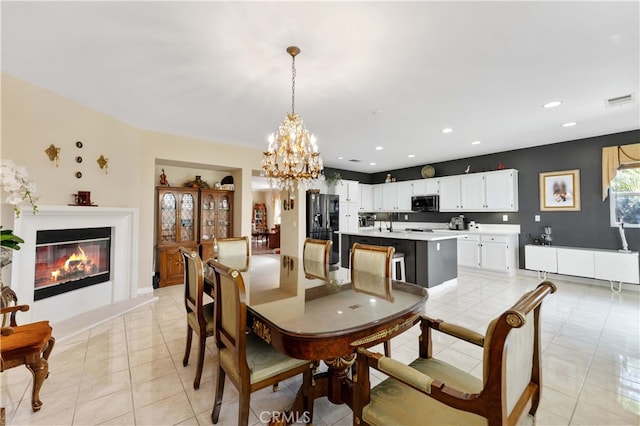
335	384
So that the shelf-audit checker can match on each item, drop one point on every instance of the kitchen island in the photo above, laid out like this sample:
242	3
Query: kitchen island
431	258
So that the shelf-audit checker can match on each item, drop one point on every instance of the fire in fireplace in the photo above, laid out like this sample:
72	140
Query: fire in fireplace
69	259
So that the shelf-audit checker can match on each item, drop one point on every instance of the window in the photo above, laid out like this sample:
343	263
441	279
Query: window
624	198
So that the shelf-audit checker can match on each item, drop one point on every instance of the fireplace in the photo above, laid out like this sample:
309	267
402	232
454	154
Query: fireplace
122	284
70	259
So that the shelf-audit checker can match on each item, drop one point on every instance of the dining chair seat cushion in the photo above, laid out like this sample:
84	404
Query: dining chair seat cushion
263	360
207	310
393	402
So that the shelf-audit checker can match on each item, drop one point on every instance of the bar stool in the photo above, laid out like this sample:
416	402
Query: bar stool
398	258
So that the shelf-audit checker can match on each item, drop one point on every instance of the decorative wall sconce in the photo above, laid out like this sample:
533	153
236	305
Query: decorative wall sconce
54	154
103	163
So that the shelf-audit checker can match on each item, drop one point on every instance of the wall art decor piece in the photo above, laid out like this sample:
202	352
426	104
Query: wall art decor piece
560	191
53	152
103	163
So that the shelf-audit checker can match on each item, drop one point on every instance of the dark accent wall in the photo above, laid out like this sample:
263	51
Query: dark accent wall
350	175
589	227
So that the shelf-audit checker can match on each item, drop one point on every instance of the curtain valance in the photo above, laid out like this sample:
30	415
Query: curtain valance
615	157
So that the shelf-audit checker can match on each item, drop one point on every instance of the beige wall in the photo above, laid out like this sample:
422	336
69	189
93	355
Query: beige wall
33	118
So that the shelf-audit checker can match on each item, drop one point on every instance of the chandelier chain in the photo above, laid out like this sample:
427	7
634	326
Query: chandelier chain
293	85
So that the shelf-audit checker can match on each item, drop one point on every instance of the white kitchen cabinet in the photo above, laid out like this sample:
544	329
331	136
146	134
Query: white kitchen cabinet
431	187
366	198
469	251
495	253
348	217
396	196
449	193
489	252
611	265
472	192
389	197
377	197
501	190
478	192
404	191
348	190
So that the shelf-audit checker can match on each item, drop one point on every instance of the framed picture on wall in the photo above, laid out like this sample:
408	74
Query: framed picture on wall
560	191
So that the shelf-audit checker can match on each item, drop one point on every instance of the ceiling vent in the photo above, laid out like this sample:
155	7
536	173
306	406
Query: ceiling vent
353	160
620	100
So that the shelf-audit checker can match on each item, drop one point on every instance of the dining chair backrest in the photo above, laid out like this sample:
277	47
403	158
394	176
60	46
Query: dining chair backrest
371	269
230	313
193	283
315	257
316	250
374	260
231	247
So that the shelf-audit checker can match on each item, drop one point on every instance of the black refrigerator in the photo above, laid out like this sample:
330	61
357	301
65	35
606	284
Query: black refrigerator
323	216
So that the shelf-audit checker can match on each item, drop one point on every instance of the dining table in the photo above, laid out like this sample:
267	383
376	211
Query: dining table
313	311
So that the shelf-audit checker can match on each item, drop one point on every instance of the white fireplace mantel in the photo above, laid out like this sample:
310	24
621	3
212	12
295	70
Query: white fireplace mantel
124	259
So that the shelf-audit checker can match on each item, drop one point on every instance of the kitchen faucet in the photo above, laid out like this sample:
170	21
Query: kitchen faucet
390	227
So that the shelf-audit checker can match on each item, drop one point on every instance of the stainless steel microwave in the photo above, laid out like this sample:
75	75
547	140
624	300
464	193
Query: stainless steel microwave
425	203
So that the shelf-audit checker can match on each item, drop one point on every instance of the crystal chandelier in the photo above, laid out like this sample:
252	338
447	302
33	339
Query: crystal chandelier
292	156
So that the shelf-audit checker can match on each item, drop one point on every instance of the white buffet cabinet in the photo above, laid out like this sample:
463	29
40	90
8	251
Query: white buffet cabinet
611	265
491	252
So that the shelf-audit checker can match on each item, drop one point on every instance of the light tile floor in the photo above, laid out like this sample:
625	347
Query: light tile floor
129	370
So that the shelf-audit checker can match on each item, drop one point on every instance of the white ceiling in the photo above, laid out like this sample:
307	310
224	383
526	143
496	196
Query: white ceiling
370	73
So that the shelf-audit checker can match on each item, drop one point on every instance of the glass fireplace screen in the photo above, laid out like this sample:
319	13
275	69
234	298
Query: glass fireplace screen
69	259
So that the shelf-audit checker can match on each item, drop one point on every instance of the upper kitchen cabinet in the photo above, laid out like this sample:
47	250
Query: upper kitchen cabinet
377	198
348	190
450	194
426	186
396	196
501	190
366	198
490	191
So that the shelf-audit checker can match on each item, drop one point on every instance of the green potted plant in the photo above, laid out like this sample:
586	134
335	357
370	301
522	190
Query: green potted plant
333	178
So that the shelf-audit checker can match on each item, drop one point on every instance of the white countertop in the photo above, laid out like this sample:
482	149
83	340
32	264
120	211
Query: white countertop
408	235
481	228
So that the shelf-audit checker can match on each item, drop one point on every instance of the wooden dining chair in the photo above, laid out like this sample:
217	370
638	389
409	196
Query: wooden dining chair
199	315
248	361
430	391
315	258
368	261
29	345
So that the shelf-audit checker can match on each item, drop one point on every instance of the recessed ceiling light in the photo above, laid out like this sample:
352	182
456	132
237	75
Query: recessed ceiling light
475	143
447	130
372	164
379	148
340	158
552	104
570	124
411	155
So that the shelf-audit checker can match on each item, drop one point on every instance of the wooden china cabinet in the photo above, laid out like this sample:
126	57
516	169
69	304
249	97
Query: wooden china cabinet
177	225
216	218
191	218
